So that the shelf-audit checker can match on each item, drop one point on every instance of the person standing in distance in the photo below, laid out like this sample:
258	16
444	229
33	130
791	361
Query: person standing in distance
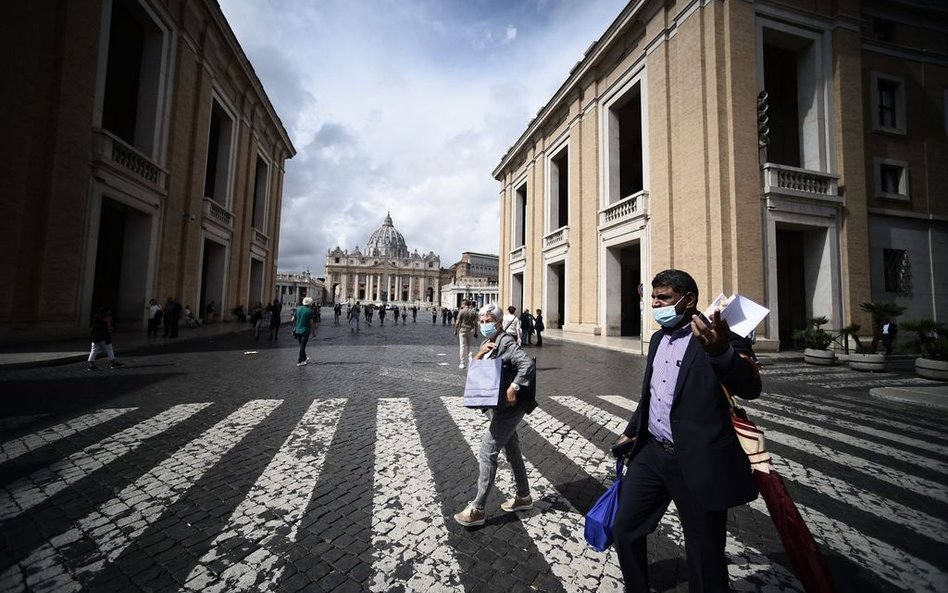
305	323
685	448
466	330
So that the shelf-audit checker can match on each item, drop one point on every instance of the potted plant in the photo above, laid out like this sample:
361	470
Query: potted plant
932	340
862	359
816	342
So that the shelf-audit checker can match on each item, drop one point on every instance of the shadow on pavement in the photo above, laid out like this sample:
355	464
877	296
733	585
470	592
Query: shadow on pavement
63	395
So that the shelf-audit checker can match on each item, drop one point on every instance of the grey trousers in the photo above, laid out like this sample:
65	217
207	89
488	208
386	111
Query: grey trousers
501	434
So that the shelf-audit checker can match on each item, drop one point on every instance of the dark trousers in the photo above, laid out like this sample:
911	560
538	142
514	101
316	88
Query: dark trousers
152	327
539	338
303	338
652	480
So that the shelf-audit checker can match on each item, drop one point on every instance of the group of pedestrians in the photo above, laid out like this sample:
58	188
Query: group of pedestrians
679	445
269	316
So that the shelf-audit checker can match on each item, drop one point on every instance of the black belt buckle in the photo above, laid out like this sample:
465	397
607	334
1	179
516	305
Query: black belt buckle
666	446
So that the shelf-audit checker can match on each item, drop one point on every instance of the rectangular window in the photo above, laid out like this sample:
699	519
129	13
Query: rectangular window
887	90
888	104
217	166
559	190
261	180
891	179
898	276
520	217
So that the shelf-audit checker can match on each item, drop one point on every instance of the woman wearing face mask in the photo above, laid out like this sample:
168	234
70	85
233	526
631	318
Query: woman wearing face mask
518	386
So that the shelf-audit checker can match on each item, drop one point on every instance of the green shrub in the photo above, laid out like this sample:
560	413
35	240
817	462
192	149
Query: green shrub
814	336
931	337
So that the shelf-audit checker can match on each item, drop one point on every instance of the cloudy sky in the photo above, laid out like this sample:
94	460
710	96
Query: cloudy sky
405	106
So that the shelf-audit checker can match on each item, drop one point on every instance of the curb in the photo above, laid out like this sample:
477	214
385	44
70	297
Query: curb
919	397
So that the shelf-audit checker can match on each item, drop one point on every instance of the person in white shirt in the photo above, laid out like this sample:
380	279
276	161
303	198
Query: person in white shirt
511	324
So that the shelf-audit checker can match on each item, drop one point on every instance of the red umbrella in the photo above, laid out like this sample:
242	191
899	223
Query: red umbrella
805	556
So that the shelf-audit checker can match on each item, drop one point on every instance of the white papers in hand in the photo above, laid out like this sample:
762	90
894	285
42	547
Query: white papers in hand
741	313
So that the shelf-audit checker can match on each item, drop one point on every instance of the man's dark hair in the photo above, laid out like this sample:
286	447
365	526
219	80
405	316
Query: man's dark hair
680	282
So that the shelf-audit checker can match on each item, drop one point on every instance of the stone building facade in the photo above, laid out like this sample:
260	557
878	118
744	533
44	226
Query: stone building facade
384	272
473	277
791	151
143	160
293	287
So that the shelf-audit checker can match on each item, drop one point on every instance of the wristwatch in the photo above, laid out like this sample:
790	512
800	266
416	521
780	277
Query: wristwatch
515	386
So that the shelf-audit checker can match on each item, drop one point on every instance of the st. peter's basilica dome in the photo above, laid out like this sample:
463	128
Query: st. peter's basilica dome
386	241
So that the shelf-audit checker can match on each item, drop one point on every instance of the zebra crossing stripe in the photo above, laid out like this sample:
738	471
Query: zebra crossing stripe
852	410
554	525
115	524
274	505
622	402
872	469
744	562
12	449
896	566
42	484
869	430
886	561
862	499
409	535
910	458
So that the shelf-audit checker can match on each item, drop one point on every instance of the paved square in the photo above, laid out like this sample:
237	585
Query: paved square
217	464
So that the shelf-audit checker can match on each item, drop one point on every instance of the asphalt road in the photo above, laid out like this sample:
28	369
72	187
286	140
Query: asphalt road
219	465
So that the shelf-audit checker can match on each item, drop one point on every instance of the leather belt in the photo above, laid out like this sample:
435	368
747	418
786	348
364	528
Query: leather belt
667	447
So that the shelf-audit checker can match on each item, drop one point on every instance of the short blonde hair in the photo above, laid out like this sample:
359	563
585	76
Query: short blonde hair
493	310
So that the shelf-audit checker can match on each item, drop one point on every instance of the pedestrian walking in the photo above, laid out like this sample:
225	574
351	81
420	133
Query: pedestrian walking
434	316
369	310
257	319
538	327
511	324
414	314
395	314
382	315
154	317
889	330
304	325
354	318
275	312
526	326
174	315
466	330
685	449
102	338
518	388
404	315
337	313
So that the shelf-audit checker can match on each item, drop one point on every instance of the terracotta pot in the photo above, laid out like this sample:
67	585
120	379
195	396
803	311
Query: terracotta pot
932	369
867	362
820	357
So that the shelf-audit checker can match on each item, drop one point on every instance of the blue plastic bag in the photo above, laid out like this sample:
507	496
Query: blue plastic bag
600	518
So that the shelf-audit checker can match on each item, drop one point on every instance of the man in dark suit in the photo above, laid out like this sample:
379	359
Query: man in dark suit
685	449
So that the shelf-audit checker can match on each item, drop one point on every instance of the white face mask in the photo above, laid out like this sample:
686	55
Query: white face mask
668	317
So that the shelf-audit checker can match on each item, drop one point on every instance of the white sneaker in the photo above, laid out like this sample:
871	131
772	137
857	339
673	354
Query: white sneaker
461	366
302	364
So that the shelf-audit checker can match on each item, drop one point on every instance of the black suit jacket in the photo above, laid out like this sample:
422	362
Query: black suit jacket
713	464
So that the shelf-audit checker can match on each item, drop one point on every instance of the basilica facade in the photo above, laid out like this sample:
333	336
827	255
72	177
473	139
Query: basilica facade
384	272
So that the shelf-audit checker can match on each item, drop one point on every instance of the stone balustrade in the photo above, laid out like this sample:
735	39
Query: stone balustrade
557	237
217	213
624	210
793	181
110	149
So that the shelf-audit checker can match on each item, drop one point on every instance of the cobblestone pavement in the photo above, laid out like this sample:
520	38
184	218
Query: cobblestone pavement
219	465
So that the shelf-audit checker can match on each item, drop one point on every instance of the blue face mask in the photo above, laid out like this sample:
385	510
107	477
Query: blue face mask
488	330
667	316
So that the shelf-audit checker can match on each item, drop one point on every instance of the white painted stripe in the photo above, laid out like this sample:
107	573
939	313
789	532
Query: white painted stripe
886	561
621	401
15	447
872	554
873	446
42	484
893	383
274	505
925	445
862	499
409	536
744	562
112	527
555	526
854	411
